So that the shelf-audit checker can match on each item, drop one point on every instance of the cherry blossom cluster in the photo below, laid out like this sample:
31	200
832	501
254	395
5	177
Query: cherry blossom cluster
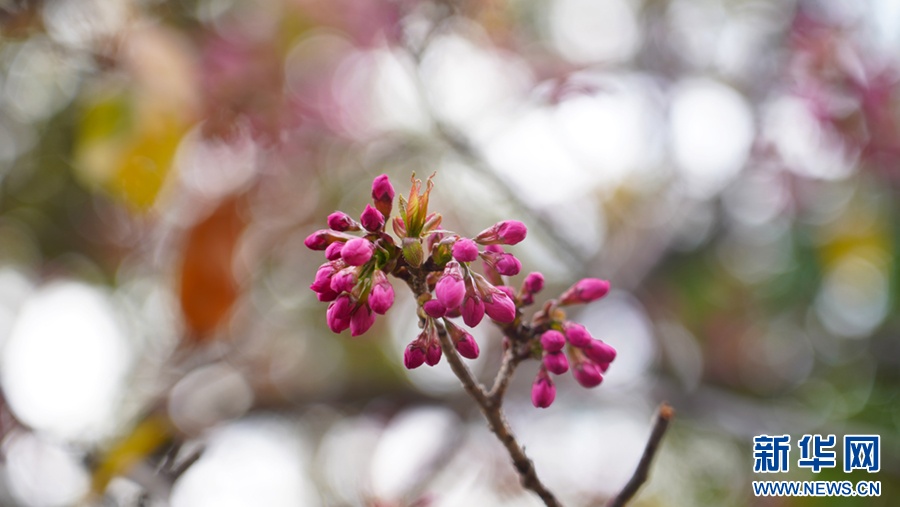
443	270
564	342
354	279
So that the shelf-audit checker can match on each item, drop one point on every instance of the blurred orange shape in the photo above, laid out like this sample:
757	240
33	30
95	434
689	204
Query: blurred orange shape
208	287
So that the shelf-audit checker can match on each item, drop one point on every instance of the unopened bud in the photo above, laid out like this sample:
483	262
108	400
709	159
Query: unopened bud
467	347
472	309
414	355
320	239
465	250
577	335
585	291
371	219
533	283
556	362
381	298
600	352
588	374
433	354
500	307
543	392
553	341
333	252
338	313
357	251
341	222
383	194
508	265
508	232
344	280
450	289
361	320
434	308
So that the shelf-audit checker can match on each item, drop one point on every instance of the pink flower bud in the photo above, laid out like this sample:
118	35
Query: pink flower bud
361	320
472	309
508	232
434	308
500	307
577	335
599	352
320	239
508	291
357	251
553	341
534	283
341	222
585	291
467	347
450	289
508	265
465	250
381	298
383	194
333	252
344	280
322	281
338	314
556	362
512	232
414	355
372	219
587	374
433	354
327	295
543	392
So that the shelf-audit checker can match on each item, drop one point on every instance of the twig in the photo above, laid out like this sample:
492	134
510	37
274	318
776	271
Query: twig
664	415
416	280
176	470
504	374
511	359
497	422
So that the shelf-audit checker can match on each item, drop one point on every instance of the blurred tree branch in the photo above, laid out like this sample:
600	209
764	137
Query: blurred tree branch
664	415
460	144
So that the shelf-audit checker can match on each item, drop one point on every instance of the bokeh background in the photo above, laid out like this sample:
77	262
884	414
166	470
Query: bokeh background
732	166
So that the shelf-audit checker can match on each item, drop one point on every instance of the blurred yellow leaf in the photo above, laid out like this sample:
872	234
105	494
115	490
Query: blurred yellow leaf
148	436
125	152
144	163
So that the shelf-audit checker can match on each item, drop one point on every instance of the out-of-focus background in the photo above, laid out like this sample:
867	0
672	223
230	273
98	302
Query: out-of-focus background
732	166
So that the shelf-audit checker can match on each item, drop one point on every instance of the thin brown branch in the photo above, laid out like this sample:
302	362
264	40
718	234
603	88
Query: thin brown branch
664	415
176	470
475	390
486	403
497	422
511	360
